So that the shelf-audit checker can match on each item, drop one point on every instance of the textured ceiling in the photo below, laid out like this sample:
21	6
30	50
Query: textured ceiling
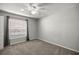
46	8
16	8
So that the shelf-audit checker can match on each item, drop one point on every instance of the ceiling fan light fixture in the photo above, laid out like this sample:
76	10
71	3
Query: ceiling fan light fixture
34	8
34	12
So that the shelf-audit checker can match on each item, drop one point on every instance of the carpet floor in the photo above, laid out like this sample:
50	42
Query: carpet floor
36	47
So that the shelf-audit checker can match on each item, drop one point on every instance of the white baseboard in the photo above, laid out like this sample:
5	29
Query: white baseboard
60	45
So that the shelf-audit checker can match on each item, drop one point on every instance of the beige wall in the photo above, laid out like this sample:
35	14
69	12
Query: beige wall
61	28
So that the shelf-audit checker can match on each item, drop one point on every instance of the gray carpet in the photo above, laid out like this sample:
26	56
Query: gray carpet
35	47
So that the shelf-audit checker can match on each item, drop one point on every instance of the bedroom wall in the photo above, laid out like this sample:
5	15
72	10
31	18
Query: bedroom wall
61	28
1	31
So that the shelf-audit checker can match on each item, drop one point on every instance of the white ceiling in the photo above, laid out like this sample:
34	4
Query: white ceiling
17	7
47	8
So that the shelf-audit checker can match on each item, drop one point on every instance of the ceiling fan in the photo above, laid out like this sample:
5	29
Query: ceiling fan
35	8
